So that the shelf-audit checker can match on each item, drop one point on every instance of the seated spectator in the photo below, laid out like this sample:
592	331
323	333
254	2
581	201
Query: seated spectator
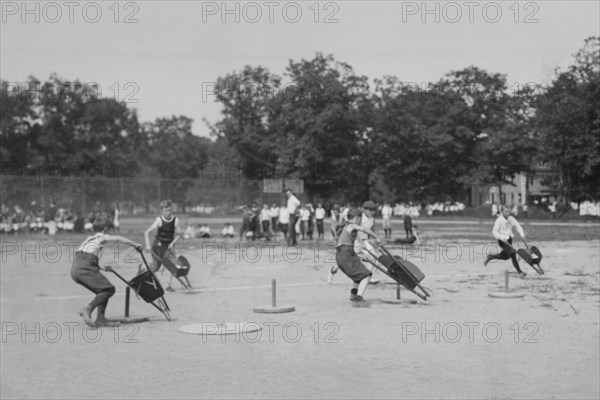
203	232
190	232
228	231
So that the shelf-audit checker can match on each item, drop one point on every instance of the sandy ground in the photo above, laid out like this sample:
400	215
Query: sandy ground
460	344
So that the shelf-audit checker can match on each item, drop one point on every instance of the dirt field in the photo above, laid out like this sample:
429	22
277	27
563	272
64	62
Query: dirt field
460	344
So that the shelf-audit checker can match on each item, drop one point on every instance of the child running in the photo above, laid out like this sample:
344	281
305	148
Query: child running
86	271
346	258
503	232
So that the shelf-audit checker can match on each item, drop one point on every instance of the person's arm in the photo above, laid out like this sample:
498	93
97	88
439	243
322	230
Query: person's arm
155	225
354	227
518	227
177	234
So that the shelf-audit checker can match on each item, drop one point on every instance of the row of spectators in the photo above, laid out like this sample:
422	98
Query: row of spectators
415	210
52	220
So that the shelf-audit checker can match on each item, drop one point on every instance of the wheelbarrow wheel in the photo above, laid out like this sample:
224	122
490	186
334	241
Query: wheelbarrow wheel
428	292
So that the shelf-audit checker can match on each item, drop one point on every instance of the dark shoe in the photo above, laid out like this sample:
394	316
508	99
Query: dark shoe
356	298
332	272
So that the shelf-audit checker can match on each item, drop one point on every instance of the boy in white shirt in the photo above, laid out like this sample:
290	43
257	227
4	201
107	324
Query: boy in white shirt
503	232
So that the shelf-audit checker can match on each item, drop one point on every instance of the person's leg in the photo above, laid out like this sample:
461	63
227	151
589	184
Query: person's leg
505	253
158	252
354	291
362	286
332	271
292	231
169	288
515	264
100	302
512	254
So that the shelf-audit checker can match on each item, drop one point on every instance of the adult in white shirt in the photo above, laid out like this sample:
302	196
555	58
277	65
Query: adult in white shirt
503	232
292	207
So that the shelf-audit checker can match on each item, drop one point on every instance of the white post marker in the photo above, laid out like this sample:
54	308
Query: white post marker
507	294
273	308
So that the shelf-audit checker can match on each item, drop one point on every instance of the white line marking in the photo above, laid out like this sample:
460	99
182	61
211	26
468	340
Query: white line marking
222	289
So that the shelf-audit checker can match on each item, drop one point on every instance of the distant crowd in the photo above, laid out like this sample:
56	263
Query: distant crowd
36	218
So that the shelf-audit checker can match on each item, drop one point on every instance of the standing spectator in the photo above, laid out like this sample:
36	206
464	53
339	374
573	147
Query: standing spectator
515	210
116	217
408	225
304	217
293	205
335	221
274	213
524	208
319	217
386	214
494	209
265	219
310	226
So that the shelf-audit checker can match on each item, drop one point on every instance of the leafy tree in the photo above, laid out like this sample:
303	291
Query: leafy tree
568	124
176	154
495	129
320	127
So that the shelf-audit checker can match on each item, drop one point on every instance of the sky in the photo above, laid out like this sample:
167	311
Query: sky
162	57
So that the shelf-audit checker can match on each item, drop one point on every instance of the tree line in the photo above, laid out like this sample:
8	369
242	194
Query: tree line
348	138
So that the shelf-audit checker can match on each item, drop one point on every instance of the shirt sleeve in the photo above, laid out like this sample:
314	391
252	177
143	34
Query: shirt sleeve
351	228
156	224
518	226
